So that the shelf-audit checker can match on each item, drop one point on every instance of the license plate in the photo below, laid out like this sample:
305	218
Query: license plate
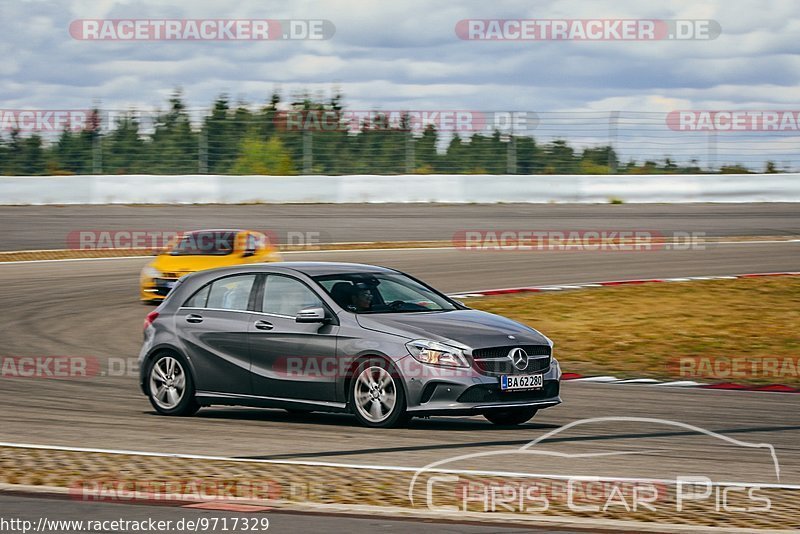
515	382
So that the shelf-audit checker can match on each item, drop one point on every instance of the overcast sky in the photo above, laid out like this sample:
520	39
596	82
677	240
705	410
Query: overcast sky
406	55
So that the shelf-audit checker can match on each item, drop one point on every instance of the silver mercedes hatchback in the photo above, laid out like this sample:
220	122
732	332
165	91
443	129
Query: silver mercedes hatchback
340	337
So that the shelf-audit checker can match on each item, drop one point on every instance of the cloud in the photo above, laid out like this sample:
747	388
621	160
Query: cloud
407	55
404	52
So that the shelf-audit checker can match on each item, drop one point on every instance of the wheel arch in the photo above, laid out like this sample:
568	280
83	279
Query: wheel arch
162	349
348	379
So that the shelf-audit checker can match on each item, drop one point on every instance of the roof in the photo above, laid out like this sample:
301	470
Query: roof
309	268
213	231
321	268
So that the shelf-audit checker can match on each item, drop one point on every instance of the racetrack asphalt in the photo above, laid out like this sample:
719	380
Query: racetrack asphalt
48	227
89	308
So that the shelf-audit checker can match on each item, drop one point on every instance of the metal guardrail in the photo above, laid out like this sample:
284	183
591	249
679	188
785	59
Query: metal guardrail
444	188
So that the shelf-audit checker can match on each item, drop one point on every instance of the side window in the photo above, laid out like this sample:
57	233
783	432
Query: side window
287	296
198	300
231	292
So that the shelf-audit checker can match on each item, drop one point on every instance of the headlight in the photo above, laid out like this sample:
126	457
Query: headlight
151	272
434	353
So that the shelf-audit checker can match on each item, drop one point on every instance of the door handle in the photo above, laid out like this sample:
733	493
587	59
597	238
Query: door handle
264	325
194	318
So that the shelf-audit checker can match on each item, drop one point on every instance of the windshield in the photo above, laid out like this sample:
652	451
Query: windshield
382	293
204	244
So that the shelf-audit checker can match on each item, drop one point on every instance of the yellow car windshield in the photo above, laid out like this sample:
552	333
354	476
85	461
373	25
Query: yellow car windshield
205	244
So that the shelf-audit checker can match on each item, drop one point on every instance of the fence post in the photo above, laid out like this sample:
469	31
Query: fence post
712	150
410	156
202	159
511	149
613	126
308	156
511	156
97	154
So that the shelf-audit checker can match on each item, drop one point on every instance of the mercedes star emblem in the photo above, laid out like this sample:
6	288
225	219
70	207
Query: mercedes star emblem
519	358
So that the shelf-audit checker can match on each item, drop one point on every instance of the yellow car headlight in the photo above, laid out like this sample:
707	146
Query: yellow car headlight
151	272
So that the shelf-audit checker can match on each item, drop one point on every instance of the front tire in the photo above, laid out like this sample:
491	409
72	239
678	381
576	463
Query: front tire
377	397
170	386
510	416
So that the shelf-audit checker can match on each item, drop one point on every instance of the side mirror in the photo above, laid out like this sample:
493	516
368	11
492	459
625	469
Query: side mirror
248	253
311	315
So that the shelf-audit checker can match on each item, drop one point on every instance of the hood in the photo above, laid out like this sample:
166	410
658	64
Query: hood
476	329
189	264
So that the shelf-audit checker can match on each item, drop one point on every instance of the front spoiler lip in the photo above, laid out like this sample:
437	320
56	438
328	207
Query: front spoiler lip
542	404
473	409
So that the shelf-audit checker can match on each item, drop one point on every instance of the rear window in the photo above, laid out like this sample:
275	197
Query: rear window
231	292
205	244
198	300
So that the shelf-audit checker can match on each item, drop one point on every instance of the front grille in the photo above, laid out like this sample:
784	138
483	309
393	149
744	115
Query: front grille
487	394
495	360
499	352
161	288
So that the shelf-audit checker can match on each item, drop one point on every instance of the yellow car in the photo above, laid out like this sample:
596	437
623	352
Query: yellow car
200	250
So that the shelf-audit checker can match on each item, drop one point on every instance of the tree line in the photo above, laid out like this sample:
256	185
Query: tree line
236	139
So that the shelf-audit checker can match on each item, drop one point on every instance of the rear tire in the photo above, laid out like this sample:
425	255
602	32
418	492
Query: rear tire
170	386
377	397
510	416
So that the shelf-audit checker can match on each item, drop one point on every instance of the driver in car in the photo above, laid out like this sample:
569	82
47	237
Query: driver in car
361	298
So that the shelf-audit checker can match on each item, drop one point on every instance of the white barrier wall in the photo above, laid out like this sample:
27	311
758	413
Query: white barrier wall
212	189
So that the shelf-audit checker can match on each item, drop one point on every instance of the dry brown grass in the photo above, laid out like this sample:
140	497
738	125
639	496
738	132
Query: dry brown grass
644	330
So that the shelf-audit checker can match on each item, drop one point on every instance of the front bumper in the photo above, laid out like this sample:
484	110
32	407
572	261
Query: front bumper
467	391
155	289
